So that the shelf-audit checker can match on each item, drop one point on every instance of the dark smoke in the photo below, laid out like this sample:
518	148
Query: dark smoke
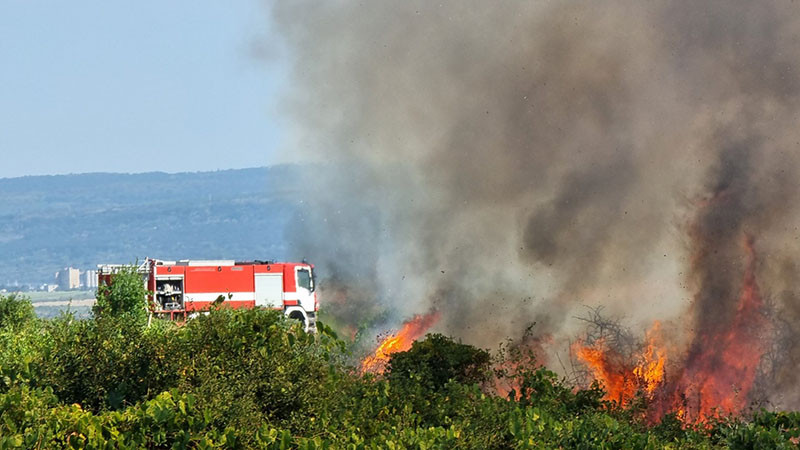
506	162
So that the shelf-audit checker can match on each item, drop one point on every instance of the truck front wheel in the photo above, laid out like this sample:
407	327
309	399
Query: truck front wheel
297	315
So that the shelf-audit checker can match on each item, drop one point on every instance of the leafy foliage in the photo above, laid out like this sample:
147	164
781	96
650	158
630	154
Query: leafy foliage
253	379
125	297
436	360
15	311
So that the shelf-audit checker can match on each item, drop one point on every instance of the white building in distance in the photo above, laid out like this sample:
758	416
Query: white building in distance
90	279
69	278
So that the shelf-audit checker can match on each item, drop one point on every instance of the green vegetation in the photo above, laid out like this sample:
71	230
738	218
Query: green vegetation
125	298
253	379
15	312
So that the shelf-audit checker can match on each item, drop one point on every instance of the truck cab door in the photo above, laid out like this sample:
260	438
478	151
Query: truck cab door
305	288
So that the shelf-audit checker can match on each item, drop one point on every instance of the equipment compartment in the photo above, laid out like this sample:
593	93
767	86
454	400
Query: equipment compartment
169	293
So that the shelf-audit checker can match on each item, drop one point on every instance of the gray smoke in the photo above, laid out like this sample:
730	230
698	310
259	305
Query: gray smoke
506	162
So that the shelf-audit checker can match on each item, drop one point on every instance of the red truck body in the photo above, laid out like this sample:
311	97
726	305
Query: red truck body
181	289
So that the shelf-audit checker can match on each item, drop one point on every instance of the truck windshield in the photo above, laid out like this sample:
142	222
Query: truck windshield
304	279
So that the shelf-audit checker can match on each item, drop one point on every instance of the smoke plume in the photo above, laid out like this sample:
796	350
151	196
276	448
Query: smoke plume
507	162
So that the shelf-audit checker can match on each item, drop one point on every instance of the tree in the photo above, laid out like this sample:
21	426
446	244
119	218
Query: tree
14	311
126	296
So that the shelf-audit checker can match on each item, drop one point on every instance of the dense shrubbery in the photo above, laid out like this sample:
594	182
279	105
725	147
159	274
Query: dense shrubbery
125	298
252	379
15	312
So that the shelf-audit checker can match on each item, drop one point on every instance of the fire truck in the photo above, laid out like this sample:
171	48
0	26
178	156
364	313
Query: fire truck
183	289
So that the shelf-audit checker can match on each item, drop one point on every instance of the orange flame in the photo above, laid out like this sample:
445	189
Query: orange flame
651	369
716	373
616	379
399	342
718	378
622	381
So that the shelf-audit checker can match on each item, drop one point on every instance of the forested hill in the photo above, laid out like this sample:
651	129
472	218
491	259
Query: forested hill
51	222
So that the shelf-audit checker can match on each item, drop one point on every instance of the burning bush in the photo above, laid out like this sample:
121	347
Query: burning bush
712	378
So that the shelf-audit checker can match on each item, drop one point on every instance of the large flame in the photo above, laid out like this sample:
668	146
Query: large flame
623	380
713	378
719	376
608	370
399	342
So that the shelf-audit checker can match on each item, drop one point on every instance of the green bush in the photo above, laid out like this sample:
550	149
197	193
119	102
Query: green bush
251	366
438	359
106	364
126	296
15	311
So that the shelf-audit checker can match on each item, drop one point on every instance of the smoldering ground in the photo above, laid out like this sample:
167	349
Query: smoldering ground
506	162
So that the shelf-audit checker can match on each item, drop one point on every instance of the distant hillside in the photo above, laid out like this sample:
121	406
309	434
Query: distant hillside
50	222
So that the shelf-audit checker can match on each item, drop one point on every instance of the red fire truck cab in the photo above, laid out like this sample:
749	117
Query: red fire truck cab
181	289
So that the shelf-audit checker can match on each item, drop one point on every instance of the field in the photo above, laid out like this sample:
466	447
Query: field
51	304
58	296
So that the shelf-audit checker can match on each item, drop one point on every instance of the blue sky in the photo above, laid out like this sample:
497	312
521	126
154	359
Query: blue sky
136	86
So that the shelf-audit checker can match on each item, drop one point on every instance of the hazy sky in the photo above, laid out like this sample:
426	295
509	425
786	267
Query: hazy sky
136	86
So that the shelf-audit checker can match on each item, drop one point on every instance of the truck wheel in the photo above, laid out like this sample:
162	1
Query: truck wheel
297	315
